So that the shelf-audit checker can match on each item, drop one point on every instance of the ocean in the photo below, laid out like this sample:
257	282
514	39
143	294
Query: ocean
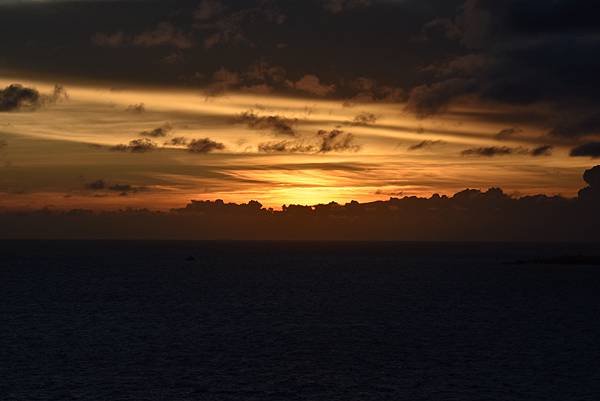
86	320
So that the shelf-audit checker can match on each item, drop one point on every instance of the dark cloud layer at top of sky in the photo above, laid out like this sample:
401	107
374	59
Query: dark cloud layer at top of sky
515	52
312	39
520	53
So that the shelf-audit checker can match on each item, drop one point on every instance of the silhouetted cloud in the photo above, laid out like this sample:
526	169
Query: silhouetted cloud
125	189
204	146
18	97
336	141
544	150
491	151
592	177
425	144
275	124
286	147
323	142
59	93
158	132
177	141
590	149
364	119
592	192
136	146
507	133
103	186
136	108
96	185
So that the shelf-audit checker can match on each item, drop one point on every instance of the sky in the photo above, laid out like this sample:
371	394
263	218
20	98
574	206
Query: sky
151	104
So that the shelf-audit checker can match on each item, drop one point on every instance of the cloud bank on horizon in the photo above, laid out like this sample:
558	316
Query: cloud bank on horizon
469	215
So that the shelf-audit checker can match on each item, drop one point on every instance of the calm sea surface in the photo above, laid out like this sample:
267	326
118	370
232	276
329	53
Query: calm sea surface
297	321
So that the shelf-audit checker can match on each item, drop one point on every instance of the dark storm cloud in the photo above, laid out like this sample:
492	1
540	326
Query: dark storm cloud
441	26
577	124
590	149
304	38
225	25
263	78
275	124
164	34
520	52
513	52
366	90
428	99
204	146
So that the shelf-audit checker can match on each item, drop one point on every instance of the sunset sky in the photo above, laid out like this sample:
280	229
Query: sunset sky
155	103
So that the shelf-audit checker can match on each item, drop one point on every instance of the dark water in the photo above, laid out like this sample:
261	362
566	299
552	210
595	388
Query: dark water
296	321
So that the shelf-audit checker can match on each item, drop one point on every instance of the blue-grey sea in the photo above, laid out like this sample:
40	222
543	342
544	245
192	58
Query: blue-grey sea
169	321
